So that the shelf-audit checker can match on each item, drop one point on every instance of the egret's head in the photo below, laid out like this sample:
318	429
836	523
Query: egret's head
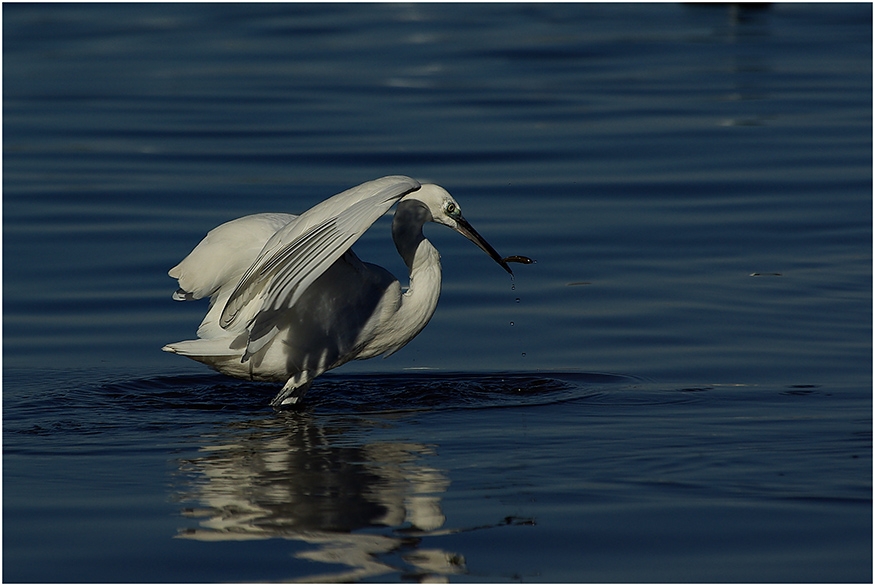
443	209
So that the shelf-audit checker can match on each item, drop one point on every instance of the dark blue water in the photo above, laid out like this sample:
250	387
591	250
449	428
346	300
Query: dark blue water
679	390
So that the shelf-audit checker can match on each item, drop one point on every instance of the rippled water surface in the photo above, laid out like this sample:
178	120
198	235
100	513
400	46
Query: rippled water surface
680	389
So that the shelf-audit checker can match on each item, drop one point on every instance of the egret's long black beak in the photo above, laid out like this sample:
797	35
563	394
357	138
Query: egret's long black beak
465	229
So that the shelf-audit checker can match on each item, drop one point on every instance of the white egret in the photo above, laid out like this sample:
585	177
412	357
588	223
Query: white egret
290	300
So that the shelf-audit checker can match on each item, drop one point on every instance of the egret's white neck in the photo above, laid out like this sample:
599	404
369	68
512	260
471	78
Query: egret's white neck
421	298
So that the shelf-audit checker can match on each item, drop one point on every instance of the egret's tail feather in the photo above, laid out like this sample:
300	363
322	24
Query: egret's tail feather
195	348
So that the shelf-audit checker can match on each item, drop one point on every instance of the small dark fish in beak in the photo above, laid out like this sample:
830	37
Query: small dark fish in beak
524	260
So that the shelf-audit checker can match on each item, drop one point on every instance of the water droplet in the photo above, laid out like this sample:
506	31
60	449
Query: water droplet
517	299
512	287
511	323
524	354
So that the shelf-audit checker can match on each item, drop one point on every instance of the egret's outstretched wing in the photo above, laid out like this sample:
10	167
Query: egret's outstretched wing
224	255
300	252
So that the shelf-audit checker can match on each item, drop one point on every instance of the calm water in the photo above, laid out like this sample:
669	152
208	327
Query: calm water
679	390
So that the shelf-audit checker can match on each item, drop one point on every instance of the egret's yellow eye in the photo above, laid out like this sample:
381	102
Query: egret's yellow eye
451	208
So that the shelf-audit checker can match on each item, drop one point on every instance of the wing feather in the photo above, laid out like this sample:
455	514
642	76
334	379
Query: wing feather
299	253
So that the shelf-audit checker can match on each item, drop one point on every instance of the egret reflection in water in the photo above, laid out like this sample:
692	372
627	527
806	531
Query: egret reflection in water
318	476
294	477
